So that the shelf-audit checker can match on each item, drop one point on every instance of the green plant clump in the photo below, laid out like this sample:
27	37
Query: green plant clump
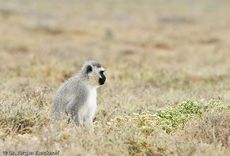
173	117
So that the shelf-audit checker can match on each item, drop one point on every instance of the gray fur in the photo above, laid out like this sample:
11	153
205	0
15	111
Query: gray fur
73	95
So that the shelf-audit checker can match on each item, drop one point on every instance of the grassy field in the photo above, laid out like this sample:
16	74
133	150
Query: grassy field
167	66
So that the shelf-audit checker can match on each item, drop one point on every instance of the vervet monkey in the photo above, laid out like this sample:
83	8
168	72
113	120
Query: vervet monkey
77	97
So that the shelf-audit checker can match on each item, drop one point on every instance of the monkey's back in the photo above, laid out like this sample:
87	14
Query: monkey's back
72	89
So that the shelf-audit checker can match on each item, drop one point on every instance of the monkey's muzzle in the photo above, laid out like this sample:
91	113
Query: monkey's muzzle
102	78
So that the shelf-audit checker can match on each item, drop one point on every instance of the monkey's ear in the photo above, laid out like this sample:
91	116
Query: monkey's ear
89	69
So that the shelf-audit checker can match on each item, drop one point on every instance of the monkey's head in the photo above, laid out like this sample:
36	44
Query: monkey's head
94	73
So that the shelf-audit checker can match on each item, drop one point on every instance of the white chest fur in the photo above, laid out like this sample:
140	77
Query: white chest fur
88	110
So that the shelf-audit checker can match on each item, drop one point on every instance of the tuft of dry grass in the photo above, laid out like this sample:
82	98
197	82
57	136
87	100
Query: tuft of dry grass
212	128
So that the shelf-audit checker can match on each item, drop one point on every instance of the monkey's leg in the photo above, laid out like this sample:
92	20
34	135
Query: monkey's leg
89	123
78	119
73	110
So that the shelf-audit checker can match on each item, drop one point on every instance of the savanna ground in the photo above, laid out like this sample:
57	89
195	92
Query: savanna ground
167	65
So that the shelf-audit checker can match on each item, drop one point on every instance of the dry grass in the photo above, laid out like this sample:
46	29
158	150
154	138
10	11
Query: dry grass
167	64
212	128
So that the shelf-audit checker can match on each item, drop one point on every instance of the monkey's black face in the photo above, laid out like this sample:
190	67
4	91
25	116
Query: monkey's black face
102	78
